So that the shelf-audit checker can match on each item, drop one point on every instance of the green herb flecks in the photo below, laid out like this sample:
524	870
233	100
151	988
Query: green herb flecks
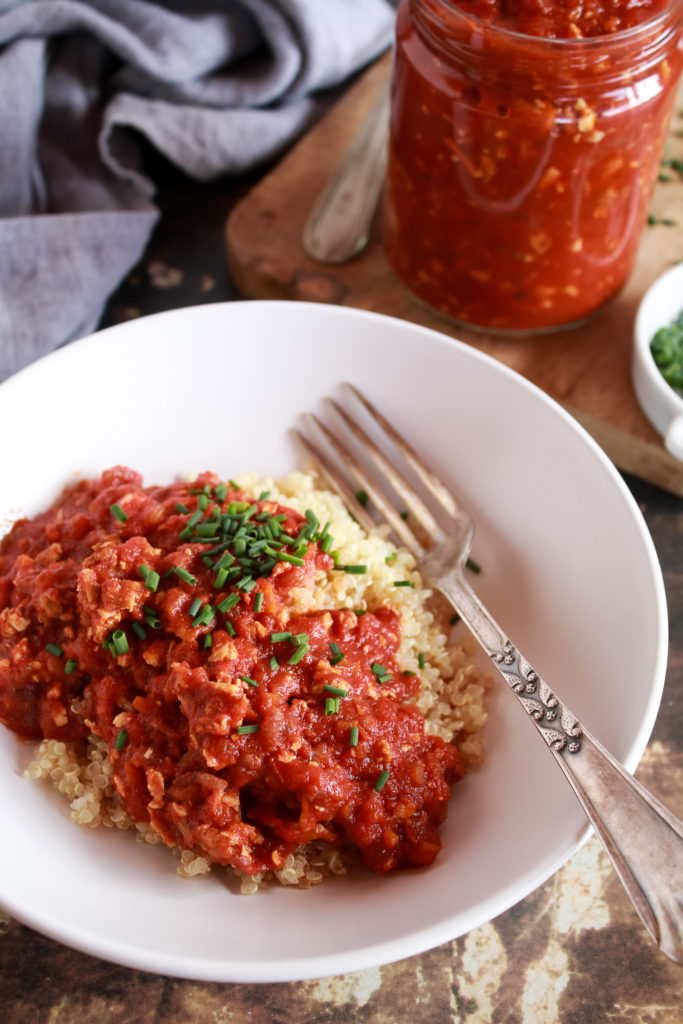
667	351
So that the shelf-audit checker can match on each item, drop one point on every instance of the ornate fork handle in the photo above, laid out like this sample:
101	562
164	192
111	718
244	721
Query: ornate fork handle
642	838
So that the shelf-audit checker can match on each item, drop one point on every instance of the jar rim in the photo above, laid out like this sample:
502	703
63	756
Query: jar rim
582	43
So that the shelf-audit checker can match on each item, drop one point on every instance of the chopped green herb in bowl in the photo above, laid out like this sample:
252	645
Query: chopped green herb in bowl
667	350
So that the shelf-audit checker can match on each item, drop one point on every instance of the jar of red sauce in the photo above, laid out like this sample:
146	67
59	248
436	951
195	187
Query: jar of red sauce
526	139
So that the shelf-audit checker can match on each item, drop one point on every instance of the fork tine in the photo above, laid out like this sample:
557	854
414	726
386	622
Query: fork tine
425	473
391	473
397	524
335	482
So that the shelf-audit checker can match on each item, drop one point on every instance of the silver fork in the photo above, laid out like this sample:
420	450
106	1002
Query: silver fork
643	839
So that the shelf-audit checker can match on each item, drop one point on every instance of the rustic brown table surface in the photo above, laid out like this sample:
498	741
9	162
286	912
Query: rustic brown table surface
573	951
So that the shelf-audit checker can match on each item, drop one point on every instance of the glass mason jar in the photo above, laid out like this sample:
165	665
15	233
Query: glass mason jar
521	167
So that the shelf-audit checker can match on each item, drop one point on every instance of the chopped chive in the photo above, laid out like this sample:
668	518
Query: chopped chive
194	607
248	679
194	518
208	640
404	583
149	576
274	664
202	501
205	616
377	669
243	730
139	630
454	619
276	638
221	491
183	574
421	660
70	666
230	629
391	558
301	650
330	706
151	618
263	495
404	515
120	641
353	736
472	566
406	672
362	497
258	602
337	654
182	509
383	776
228	602
356	570
55	649
300	638
283	556
225	561
120	741
359	611
221	577
118	512
338	691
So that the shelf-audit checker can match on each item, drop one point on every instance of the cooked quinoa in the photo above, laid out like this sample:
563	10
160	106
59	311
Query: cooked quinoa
452	698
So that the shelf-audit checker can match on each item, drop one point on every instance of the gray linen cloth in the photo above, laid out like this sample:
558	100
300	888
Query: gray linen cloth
217	86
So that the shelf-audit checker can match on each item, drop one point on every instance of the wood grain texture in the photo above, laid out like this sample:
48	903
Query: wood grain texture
586	369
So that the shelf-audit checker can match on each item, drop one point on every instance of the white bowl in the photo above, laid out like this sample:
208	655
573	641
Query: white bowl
569	570
663	406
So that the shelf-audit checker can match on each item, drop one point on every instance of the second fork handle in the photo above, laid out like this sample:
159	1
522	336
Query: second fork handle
643	839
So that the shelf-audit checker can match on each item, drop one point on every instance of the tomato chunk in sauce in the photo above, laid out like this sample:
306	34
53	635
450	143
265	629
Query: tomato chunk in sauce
163	620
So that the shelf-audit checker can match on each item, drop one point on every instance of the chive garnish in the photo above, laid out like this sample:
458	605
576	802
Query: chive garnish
330	706
383	776
230	629
182	509
221	577
149	576
353	736
70	666
472	566
139	630
228	602
182	574
120	741
301	650
151	618
118	512
258	602
194	607
221	492
356	570
276	638
404	583
274	664
249	680
120	642
454	619
205	616
243	730
391	558
55	649
208	640
362	497
337	655
338	691
421	660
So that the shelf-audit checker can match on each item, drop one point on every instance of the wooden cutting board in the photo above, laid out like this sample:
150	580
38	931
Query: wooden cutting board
587	369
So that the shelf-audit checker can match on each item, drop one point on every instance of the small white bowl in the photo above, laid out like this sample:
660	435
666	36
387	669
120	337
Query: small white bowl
663	406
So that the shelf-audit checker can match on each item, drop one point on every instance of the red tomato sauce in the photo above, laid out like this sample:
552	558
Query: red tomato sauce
522	162
233	725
